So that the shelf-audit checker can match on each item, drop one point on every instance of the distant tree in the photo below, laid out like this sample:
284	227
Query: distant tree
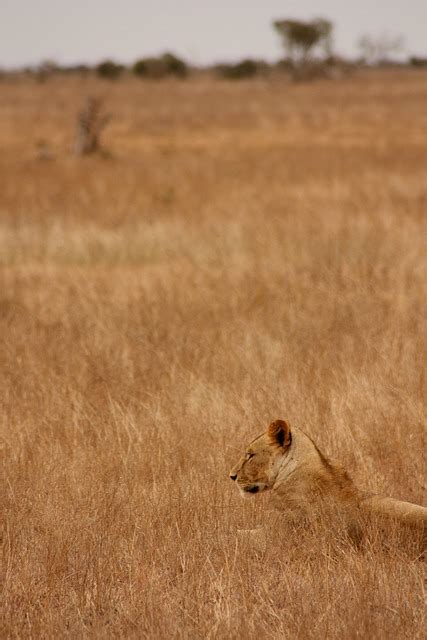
140	67
379	48
301	39
166	65
174	65
153	68
109	69
416	61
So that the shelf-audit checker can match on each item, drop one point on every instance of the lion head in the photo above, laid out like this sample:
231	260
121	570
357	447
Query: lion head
257	469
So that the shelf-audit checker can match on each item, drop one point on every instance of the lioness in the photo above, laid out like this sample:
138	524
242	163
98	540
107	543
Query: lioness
304	484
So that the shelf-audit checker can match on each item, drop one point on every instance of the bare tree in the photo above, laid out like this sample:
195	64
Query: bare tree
379	48
90	124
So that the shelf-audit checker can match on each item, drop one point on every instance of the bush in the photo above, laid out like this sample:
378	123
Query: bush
244	69
79	69
150	68
418	62
175	66
140	67
157	68
109	70
286	65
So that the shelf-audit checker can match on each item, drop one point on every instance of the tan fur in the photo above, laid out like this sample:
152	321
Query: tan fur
304	484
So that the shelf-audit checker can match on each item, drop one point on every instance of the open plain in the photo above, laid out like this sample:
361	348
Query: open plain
240	252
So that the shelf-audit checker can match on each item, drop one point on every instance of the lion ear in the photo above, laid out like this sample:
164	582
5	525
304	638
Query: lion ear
280	433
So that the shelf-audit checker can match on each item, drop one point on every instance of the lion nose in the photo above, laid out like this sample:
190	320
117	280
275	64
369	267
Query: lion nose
233	476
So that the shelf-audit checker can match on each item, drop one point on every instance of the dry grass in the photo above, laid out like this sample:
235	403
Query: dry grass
248	252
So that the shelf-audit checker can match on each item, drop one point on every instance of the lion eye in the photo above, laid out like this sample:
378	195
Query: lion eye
249	456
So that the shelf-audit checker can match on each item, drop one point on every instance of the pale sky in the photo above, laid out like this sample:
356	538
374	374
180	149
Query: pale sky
72	31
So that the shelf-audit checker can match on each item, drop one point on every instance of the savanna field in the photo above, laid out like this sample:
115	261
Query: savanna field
241	252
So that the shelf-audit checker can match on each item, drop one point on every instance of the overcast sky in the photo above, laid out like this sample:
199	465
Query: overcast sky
202	31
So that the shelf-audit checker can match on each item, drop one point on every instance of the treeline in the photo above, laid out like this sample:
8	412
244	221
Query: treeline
308	53
166	65
171	66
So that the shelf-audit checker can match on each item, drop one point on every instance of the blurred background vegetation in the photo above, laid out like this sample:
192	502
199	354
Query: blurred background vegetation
308	53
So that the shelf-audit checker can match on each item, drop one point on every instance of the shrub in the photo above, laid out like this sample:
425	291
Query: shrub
109	69
175	66
150	68
285	64
157	68
417	62
79	69
140	67
244	69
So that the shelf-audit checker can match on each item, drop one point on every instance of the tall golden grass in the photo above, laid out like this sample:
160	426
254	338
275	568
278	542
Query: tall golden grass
243	252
